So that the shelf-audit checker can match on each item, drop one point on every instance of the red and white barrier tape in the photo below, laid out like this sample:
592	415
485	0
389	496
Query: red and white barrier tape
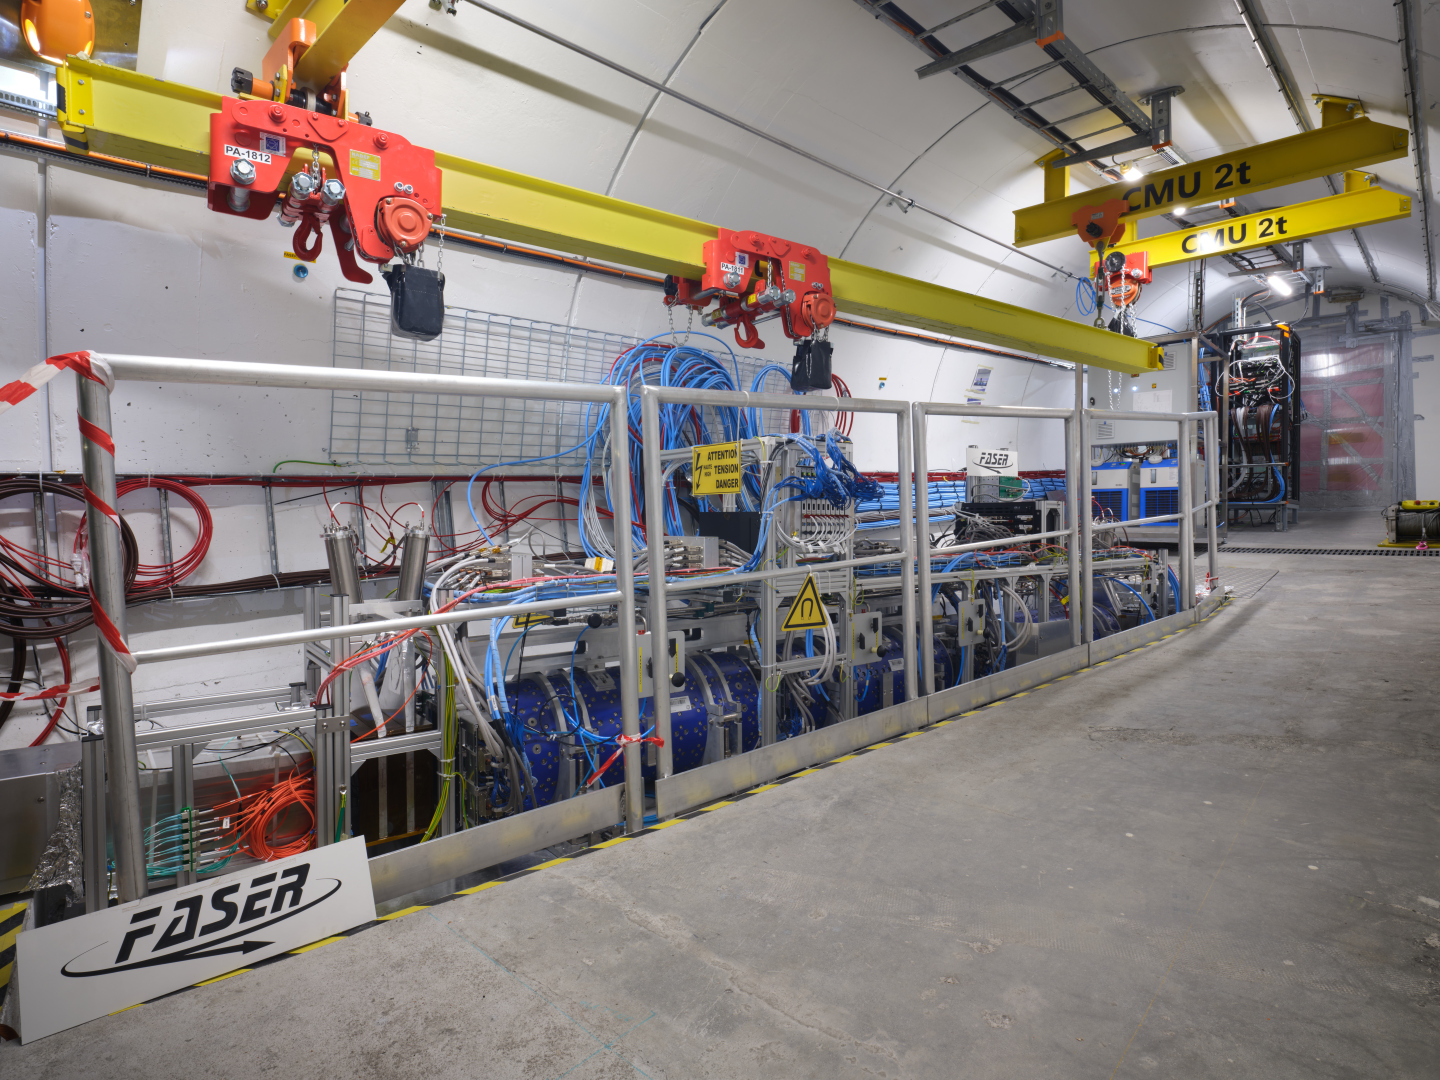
50	694
621	742
79	362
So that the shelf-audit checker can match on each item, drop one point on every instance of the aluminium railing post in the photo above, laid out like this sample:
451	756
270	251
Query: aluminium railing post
1086	608
182	785
1212	485
92	822
769	632
906	443
922	544
1072	520
625	626
655	538
107	588
1185	454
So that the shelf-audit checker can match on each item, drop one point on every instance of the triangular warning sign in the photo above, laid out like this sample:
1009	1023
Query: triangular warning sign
807	612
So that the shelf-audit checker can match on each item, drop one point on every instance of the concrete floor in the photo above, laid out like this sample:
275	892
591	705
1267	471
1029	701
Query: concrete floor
1214	857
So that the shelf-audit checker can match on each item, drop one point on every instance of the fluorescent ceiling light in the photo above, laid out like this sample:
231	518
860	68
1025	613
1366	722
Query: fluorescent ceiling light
1178	211
1280	285
1131	171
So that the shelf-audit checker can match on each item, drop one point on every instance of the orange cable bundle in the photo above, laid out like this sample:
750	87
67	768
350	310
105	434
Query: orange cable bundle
253	822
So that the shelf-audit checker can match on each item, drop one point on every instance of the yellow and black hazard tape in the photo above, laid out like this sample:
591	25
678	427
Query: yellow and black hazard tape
12	917
659	826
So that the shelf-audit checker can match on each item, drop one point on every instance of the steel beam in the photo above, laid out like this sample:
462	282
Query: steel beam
1334	213
1305	156
150	121
1018	34
347	28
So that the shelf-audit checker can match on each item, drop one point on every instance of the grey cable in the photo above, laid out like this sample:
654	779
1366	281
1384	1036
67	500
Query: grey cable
749	129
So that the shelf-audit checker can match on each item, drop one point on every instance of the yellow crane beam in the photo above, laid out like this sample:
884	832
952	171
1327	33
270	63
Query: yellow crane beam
1334	213
1330	149
147	120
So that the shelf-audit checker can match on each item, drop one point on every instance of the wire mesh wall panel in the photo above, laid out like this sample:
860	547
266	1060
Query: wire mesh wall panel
443	429
430	430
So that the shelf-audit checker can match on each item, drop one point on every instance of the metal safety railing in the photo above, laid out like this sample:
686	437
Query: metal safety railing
1080	528
775	576
106	560
651	400
923	410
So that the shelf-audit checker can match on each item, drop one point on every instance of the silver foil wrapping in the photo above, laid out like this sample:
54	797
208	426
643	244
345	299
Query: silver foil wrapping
61	864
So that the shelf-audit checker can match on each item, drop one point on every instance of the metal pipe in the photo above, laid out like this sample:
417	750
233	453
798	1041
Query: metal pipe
1010	412
340	651
905	445
1212	504
1186	455
980	545
655	538
715	581
922	543
668	395
367	629
1156	520
412	563
344	569
757	132
1073	465
769	638
1173	417
625	612
92	822
107	586
301	377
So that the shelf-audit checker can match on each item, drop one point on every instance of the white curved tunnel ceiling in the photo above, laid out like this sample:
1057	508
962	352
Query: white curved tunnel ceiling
829	77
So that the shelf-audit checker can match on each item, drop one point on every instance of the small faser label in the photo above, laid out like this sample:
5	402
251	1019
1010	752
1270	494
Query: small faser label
257	156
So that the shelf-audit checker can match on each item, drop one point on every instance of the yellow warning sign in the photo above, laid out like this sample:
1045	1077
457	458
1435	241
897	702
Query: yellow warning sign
807	612
715	469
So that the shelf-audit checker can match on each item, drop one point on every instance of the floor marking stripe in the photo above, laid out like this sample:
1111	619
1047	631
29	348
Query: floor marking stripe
552	862
762	787
315	945
667	824
488	885
219	978
402	912
610	843
712	806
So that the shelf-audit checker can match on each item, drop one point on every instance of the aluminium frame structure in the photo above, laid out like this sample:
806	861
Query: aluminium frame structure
106	562
771	577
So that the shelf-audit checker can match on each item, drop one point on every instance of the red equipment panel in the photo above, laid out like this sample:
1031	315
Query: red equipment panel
753	277
392	187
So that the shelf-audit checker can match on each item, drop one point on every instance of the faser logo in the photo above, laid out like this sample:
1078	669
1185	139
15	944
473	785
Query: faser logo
236	921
